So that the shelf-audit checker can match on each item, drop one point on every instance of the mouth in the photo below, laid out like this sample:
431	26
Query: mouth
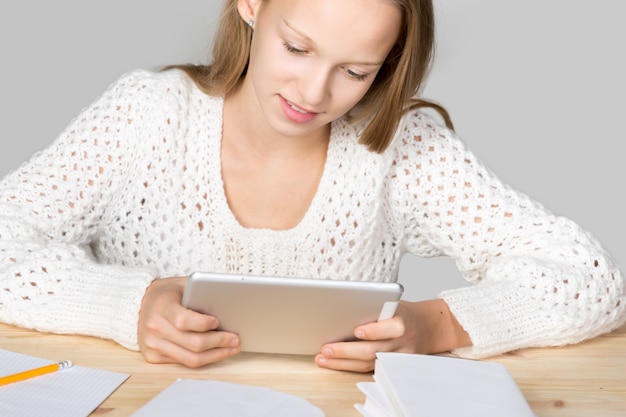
295	113
298	109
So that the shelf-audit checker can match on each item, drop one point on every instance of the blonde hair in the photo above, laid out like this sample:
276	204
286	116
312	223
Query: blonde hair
394	91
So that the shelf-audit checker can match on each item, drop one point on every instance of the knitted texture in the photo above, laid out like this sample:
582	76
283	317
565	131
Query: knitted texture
132	191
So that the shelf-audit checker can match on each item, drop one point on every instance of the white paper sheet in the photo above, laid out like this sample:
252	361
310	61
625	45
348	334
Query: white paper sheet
376	401
430	385
72	392
195	398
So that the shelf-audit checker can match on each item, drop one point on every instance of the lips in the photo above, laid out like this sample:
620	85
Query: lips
295	113
296	108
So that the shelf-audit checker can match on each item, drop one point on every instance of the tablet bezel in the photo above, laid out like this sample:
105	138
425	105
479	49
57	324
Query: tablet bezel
289	315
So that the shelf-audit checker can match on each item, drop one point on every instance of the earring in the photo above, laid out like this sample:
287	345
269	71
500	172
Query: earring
250	23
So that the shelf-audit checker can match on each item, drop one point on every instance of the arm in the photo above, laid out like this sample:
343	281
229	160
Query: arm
537	279
57	204
50	210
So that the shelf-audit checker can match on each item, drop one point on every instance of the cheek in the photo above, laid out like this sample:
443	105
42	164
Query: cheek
268	66
348	93
263	56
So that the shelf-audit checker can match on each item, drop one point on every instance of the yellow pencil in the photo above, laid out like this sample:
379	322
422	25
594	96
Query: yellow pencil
35	372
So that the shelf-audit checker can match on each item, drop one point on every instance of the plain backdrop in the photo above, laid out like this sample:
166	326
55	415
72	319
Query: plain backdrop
536	89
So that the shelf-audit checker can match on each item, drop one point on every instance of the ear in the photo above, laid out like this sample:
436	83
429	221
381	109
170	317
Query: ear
248	9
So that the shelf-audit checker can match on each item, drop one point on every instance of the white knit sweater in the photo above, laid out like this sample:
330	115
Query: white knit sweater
132	191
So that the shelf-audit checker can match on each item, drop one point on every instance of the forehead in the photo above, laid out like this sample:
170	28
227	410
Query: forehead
363	27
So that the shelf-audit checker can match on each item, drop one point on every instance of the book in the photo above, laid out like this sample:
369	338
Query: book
412	385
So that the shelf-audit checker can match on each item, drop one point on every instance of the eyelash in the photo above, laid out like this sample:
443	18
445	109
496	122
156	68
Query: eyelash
293	49
353	75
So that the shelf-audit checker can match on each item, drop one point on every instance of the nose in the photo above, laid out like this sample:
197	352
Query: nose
314	87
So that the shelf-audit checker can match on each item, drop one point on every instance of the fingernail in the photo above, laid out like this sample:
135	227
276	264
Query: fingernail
321	360
328	352
360	334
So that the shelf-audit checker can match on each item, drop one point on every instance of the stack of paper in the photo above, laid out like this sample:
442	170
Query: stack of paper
408	385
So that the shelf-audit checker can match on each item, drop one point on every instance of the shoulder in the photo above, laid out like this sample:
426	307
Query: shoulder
426	158
155	86
156	99
423	141
140	77
419	129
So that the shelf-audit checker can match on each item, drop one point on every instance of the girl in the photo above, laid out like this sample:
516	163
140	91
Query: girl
301	151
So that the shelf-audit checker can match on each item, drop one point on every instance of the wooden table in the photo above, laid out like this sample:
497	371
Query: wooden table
587	379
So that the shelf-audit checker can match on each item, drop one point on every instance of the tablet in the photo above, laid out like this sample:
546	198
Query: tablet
289	315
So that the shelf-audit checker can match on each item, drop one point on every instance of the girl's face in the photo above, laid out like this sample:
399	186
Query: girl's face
311	61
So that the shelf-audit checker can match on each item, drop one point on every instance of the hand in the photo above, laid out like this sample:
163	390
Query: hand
169	333
418	327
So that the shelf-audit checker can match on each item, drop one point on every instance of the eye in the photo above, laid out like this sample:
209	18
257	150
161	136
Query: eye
293	50
355	75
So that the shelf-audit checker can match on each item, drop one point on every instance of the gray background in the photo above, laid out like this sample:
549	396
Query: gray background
536	89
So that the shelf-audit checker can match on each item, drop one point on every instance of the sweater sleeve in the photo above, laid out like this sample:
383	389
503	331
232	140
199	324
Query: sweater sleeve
50	209
536	279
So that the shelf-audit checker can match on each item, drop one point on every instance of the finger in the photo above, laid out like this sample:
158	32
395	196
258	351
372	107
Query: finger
159	328
357	356
381	330
169	352
353	365
201	342
364	351
184	319
196	341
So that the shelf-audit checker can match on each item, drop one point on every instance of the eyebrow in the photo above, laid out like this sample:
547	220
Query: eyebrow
308	39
